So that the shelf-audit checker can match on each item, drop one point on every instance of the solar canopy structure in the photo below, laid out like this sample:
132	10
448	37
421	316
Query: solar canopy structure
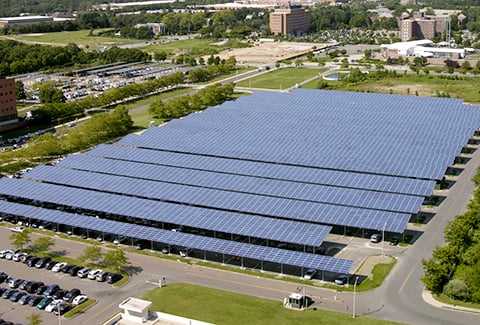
276	166
262	253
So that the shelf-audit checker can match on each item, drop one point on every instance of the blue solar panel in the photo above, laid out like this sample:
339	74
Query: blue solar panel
150	209
221	246
264	170
209	182
372	133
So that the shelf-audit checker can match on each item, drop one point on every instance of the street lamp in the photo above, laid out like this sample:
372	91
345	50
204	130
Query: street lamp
383	239
59	312
354	294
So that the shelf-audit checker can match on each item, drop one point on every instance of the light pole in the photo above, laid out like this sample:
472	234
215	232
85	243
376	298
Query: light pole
354	295
383	239
59	313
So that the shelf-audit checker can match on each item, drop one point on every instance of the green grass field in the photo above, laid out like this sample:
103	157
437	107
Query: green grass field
194	46
413	84
82	38
222	307
280	78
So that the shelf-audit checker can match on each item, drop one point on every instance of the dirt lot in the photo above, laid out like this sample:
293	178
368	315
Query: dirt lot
271	52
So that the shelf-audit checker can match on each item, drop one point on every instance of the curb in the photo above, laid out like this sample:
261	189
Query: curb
430	299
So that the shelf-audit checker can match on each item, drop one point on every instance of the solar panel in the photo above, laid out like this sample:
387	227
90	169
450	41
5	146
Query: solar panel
265	170
221	246
372	133
173	181
150	209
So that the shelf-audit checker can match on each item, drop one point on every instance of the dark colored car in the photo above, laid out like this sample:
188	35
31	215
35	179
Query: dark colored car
59	294
23	285
50	264
34	300
17	295
32	261
41	290
113	277
24	299
394	241
74	270
8	293
2	290
51	289
41	262
3	277
44	302
32	287
67	268
61	308
71	294
25	258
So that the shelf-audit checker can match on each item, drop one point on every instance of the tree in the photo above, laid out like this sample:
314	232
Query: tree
20	90
466	65
34	319
20	239
50	94
116	259
91	254
43	244
161	56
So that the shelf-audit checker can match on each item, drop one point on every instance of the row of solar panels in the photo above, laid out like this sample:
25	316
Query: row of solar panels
156	210
261	253
416	139
224	166
196	187
213	220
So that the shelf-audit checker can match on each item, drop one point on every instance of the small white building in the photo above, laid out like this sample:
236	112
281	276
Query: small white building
422	48
135	310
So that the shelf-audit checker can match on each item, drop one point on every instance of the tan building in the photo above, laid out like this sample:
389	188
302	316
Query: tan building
290	19
8	103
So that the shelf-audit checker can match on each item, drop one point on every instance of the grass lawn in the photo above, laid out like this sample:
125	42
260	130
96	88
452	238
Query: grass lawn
222	307
281	78
413	84
82	38
194	46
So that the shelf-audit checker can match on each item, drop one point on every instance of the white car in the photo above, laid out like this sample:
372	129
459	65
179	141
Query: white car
52	305
78	300
4	253
59	266
342	279
17	257
9	255
310	274
93	274
83	273
18	229
119	240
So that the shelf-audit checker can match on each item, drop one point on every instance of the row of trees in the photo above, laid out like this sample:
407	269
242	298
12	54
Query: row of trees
454	269
181	106
19	58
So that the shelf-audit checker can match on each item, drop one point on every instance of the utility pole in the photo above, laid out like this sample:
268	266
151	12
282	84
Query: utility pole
354	295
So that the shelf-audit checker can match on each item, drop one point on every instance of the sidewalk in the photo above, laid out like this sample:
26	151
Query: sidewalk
429	299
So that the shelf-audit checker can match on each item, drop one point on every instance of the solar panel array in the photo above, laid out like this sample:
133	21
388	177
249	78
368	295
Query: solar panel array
372	133
214	220
276	166
183	240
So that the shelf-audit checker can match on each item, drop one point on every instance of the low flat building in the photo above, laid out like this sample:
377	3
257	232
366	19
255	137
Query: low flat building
24	20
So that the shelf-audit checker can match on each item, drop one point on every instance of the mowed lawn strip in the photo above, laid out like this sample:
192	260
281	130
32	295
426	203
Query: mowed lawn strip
280	78
223	307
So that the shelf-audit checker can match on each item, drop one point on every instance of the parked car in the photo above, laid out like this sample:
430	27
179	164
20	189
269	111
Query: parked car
44	302
59	294
14	283
49	265
24	299
17	229
78	300
9	255
341	280
34	300
3	277
25	258
67	268
59	266
32	261
32	287
83	273
51	290
42	262
102	276
24	284
61	308
119	240
394	241
113	277
41	289
375	238
92	275
310	274
73	271
51	305
17	295
8	293
18	257
69	296
4	252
